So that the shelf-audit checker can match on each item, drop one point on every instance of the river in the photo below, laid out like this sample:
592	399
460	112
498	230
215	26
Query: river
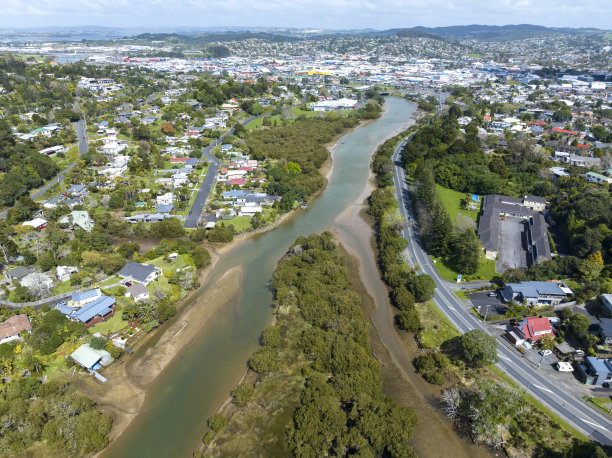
194	385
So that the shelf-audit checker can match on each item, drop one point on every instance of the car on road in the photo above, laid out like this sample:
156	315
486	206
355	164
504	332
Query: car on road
492	294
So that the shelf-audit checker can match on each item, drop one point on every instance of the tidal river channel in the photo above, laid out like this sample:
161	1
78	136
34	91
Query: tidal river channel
194	385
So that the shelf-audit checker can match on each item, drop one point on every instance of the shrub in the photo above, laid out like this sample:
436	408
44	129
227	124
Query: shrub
408	320
98	343
242	394
217	422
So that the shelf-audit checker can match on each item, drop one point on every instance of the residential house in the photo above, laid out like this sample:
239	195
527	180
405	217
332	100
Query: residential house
80	219
90	358
536	292
593	177
606	301
138	292
37	223
165	209
605	330
141	273
63	273
165	199
18	273
596	371
533	329
95	312
77	190
35	279
86	297
10	329
535	203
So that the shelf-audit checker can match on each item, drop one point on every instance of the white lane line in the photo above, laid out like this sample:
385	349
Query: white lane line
542	388
593	424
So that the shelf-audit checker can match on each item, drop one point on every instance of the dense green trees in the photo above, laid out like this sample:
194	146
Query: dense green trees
300	143
68	422
479	348
341	408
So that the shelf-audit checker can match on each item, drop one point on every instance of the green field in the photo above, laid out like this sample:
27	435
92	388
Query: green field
293	112
110	326
462	294
452	203
435	327
448	271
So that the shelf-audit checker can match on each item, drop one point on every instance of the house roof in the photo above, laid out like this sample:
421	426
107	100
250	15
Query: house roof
80	218
14	325
19	272
605	326
600	365
99	307
76	188
536	288
532	325
165	208
78	297
137	289
136	271
88	357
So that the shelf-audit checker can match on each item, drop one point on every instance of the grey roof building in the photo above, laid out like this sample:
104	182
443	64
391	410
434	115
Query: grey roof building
141	273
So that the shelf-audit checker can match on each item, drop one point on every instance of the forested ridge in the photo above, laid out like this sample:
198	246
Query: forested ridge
320	346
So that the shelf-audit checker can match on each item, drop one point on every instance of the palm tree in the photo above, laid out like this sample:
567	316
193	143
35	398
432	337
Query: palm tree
147	313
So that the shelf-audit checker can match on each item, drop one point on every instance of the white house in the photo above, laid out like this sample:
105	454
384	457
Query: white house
165	199
63	272
138	292
36	278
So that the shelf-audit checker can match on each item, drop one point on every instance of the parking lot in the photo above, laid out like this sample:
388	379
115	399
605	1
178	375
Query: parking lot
483	300
511	252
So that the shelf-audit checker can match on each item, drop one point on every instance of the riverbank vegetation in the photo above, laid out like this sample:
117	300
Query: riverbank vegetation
318	389
480	402
296	153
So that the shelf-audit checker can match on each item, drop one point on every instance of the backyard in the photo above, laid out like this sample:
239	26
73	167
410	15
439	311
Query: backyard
452	203
447	269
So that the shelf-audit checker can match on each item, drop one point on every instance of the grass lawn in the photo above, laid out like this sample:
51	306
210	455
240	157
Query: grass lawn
435	327
114	279
279	118
445	267
452	203
113	325
61	288
462	294
240	223
602	404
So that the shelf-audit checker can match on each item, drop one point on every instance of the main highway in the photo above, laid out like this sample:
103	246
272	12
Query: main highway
573	410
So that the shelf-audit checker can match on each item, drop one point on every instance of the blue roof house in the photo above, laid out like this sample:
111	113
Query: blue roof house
536	292
596	371
92	313
85	297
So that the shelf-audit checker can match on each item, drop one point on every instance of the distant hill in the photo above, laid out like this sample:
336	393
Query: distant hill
499	33
212	37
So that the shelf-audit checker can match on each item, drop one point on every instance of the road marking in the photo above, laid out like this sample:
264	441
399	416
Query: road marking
593	424
542	388
505	357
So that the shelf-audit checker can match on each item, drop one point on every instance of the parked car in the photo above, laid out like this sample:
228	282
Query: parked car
545	352
492	294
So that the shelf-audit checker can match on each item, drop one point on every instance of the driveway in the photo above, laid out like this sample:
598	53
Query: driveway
494	304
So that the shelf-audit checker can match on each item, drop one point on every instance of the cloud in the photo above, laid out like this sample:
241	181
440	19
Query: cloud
304	13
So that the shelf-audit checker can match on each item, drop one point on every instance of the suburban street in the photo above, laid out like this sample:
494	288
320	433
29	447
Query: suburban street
574	411
83	148
193	218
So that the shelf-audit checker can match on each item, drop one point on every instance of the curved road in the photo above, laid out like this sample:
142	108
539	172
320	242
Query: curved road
83	148
574	411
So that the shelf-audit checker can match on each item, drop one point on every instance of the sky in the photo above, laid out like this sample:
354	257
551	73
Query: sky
316	14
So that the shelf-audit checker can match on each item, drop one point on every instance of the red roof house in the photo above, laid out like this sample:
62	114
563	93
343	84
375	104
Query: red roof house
238	181
533	328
